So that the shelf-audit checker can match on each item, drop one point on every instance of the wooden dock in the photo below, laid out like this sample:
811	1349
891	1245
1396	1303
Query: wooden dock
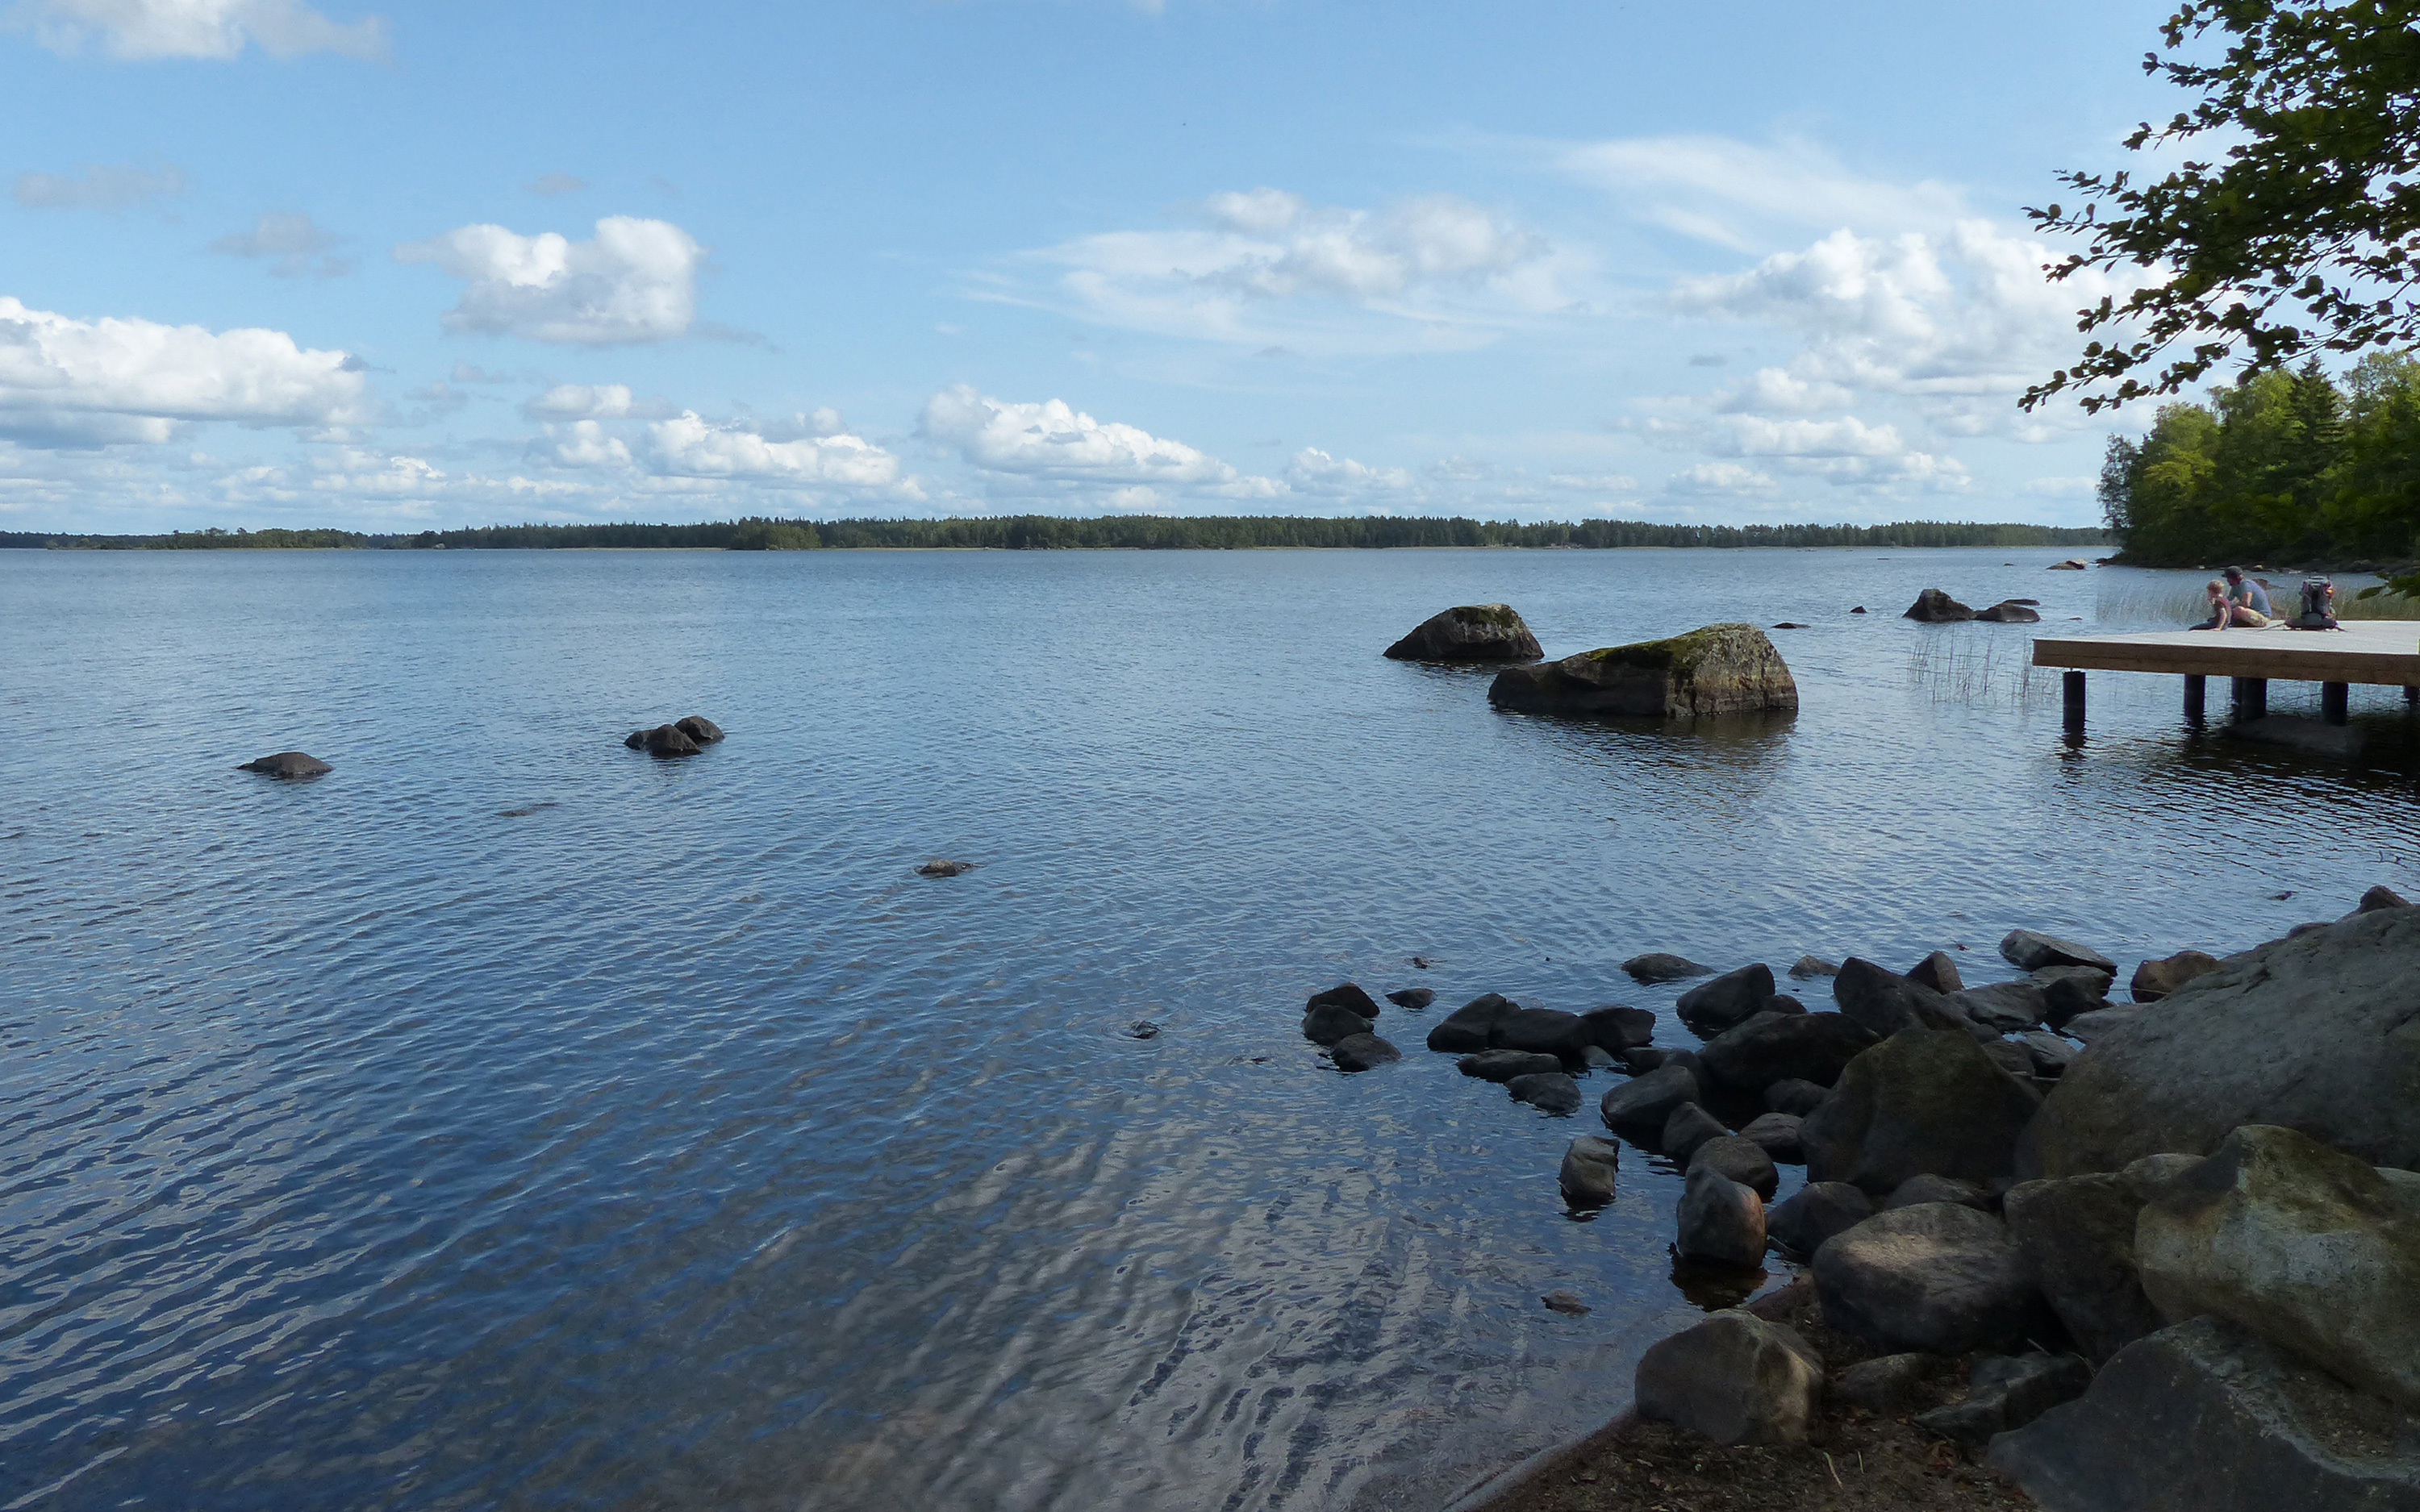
2378	652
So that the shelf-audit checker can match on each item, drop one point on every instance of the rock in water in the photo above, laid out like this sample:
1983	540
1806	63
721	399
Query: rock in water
1814	1213
1938	971
1663	965
1549	1030
1472	1026
1813	966
1733	1379
2006	1006
1795	1097
1470	632
2337	1056
2304	1245
1886	1002
2155	979
1774	1047
2380	897
287	764
1934	607
1741	1159
1411	998
1503	1065
1777	1134
1590	1168
2205	1417
1722	1223
1345	996
1939	1277
1361	1052
664	740
1689	1127
1566	1302
1617	1028
1548	1091
2078	1235
1722	668
944	869
2029	949
699	727
1328	1023
2008	611
1922	1102
1641	1106
1712	1006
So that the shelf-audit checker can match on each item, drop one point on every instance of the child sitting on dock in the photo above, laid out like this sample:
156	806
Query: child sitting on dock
2235	606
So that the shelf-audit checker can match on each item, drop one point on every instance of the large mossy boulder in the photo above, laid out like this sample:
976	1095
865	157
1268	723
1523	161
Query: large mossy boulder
1469	632
2320	1032
1722	668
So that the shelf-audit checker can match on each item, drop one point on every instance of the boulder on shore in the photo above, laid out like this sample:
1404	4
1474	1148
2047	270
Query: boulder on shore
2005	1392
1814	1213
1795	1096
1721	1222
1777	1134
2304	1245
2206	1417
1886	1002
287	764
2008	1006
2316	1033
1733	1379
2078	1235
1689	1127
2030	950
1774	1047
1922	1102
1939	1277
1663	965
1934	607
2155	979
1722	668
1588	1171
1469	632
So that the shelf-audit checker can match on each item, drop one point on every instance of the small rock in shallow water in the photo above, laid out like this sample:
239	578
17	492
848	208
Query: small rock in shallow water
1721	1222
1328	1022
1361	1052
699	727
664	740
1590	1168
1422	961
1503	1065
1566	1302
1142	1029
1662	965
1547	1092
1347	995
1790	624
1810	965
1741	1159
944	869
287	764
1859	609
1411	998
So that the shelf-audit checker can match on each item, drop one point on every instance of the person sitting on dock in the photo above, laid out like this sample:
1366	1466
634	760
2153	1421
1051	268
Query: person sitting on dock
2249	599
2226	609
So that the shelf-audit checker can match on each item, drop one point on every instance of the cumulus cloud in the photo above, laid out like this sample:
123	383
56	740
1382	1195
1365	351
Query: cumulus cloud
1720	479
294	246
1054	441
72	382
142	30
636	281
102	186
1314	471
1268	270
689	446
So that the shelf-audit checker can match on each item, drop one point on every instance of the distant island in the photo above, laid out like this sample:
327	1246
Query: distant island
1051	532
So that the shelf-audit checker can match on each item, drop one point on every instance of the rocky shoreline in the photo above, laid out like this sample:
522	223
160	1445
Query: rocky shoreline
2106	1255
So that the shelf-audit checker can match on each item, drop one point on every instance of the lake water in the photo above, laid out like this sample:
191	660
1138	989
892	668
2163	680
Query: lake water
506	1119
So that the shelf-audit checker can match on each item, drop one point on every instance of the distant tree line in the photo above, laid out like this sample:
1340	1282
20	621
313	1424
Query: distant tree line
1141	533
2282	467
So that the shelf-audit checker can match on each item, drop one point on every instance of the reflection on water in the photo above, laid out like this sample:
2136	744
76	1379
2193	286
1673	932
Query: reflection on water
509	1119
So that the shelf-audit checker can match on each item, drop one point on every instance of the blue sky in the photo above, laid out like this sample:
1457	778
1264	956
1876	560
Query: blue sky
263	263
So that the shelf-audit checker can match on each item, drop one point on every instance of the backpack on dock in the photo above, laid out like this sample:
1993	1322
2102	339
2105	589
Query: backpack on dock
2319	606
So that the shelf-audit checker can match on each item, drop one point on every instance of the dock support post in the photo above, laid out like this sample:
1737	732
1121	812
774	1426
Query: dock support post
2333	701
2411	694
2193	685
2251	698
2073	690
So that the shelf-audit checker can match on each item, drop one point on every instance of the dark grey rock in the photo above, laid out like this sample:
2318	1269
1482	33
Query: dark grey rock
1566	1302
699	727
1887	1384
2008	611
1687	1128
1938	1277
1503	1065
1733	1379
2332	1016
1885	1002
2155	979
2070	998
2205	1417
2077	1236
1659	966
1721	1222
1472	1026
943	867
1930	1188
1619	1029
1782	1003
1924	1101
1938	971
1596	1058
1142	1029
2005	1392
1741	1159
1548	1030
2011	1057
2005	1007
2380	897
1715	670
2096	981
1795	1097
1934	607
287	764
1549	1091
1361	1052
1777	1134
1807	966
1589	1169
2029	949
1647	1057
1345	995
2049	1053
1773	1048
1814	1213
1411	998
1327	1024
666	740
1730	998
1469	632
1639	1106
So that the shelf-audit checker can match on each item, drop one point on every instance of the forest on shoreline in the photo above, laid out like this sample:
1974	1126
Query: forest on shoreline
1030	533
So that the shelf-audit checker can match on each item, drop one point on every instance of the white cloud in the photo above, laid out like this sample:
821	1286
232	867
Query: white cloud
687	446
635	282
1593	481
102	186
1274	272
580	401
81	382
1720	479
1052	440
584	443
1737	194
139	30
296	245
1314	471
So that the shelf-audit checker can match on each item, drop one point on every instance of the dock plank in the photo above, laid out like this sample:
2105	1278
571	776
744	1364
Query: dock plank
2381	652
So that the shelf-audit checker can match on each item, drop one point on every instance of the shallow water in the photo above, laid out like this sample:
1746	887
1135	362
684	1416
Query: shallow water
507	1120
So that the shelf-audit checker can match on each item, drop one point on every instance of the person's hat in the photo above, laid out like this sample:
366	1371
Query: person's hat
2235	572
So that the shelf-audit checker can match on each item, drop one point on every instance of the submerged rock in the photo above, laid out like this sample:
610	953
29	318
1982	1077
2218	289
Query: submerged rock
1722	668
1411	998
699	727
1565	1302
1361	1052
1934	607
1662	965
2008	611
1469	632
1503	1065
665	740
1549	1091
944	869
287	764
